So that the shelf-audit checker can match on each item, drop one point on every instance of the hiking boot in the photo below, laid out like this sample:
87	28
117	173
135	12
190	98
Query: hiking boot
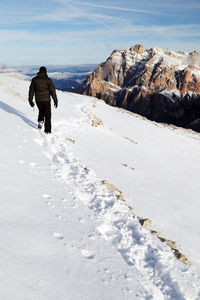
40	124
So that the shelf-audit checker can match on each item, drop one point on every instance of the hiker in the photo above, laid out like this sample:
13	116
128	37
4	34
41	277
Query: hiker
43	88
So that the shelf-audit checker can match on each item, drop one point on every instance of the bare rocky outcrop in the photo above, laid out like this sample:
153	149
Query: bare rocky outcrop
161	85
137	48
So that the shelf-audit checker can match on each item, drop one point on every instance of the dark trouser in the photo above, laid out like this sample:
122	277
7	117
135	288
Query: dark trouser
45	114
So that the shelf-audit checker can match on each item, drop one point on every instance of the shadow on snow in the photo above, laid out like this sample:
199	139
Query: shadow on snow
16	112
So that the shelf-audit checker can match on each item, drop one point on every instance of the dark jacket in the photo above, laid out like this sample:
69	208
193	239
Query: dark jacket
42	87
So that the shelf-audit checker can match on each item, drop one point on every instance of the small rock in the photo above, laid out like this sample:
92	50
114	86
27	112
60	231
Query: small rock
194	53
145	222
111	187
71	140
171	244
127	166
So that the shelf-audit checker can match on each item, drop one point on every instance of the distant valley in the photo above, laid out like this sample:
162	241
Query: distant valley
65	78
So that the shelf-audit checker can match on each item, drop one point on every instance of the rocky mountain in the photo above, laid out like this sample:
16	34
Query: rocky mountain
161	85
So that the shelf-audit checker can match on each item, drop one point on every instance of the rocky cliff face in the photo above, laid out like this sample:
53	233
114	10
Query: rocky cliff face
161	85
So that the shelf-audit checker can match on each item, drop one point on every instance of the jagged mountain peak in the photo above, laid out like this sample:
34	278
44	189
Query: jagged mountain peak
150	82
180	59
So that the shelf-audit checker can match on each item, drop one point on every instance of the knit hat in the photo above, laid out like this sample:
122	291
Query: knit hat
43	70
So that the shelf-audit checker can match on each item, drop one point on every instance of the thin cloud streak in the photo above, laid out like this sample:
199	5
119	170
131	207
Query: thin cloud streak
58	16
92	5
88	16
79	17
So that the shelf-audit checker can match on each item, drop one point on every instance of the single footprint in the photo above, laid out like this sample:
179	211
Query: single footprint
59	217
81	220
128	276
50	204
63	200
87	253
73	205
46	196
92	236
58	235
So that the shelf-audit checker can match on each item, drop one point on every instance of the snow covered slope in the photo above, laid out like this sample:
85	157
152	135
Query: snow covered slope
72	203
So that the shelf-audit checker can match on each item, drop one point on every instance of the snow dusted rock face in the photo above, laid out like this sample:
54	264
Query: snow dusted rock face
161	85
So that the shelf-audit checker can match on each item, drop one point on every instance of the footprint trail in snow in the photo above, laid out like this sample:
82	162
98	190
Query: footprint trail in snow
112	219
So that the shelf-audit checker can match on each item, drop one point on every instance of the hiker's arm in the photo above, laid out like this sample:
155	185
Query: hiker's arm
31	94
53	93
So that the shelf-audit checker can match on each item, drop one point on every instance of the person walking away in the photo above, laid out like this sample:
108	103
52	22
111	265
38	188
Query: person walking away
43	88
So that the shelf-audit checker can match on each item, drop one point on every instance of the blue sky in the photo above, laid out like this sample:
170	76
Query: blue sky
76	32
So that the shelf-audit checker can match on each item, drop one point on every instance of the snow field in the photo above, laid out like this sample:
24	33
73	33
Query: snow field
118	226
89	244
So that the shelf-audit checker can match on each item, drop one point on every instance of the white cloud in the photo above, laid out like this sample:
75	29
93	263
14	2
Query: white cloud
103	34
